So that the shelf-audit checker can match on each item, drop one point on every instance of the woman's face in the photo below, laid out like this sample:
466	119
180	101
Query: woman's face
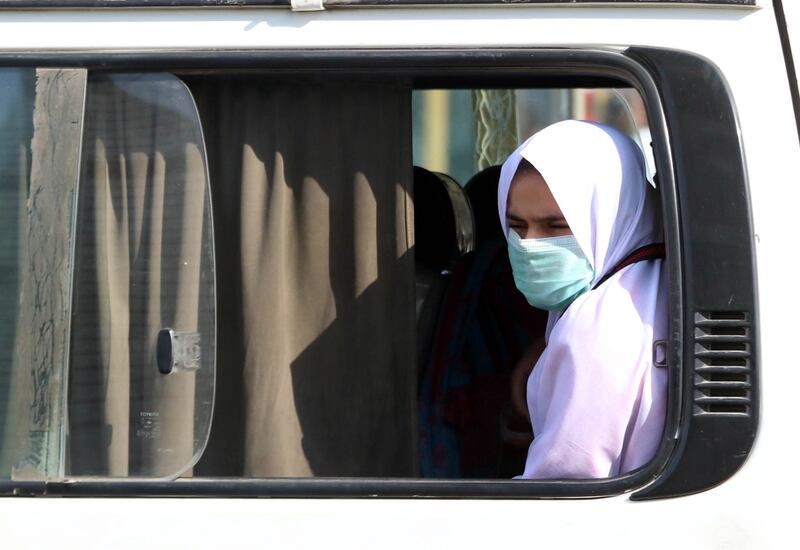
532	210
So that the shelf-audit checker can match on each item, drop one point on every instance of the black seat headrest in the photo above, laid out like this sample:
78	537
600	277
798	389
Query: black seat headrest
443	221
481	190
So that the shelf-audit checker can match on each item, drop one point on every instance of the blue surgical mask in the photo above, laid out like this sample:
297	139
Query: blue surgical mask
550	272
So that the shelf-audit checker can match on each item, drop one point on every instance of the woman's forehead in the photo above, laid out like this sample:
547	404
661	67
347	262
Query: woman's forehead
529	197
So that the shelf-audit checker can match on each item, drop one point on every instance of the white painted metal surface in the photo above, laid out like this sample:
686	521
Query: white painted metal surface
755	509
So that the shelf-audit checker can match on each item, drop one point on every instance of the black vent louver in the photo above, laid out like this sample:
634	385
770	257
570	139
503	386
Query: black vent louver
722	363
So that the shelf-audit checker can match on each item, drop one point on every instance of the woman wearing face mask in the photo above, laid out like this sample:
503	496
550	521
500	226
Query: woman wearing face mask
585	242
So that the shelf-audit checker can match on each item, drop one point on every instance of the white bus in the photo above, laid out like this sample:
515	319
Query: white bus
251	291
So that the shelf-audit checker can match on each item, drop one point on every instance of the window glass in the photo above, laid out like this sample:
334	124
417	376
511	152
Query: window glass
143	347
368	321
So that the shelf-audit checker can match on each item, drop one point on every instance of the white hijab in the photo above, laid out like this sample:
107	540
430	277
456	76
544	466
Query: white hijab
596	401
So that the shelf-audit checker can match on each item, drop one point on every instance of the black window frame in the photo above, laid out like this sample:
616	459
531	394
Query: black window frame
677	88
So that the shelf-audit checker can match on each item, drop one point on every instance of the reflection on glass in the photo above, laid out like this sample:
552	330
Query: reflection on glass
16	129
42	111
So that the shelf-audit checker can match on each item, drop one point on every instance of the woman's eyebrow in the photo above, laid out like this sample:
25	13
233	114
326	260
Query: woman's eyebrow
514	218
552	219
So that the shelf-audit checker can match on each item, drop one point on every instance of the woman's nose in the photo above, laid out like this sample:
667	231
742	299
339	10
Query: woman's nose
531	232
